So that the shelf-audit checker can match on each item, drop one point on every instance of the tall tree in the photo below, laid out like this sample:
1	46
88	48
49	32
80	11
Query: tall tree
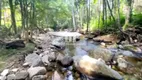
12	9
128	13
0	11
88	15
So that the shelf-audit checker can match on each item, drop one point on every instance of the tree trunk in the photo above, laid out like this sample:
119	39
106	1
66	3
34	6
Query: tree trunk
73	16
0	11
12	9
128	13
88	15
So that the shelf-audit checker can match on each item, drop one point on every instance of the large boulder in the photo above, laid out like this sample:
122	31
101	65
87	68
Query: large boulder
95	68
36	71
102	53
33	60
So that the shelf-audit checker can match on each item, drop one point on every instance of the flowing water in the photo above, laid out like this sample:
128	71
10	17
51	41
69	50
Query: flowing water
83	47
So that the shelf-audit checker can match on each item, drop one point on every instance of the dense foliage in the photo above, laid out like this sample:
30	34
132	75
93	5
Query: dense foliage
90	15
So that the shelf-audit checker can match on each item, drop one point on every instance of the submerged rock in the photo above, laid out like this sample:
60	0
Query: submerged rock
95	68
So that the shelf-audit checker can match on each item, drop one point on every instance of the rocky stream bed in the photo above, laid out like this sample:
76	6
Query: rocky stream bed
81	60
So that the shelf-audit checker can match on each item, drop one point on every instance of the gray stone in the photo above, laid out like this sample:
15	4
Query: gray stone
102	53
59	42
52	56
91	67
45	60
15	70
11	77
2	77
39	77
60	57
66	61
36	71
5	72
21	75
33	60
26	64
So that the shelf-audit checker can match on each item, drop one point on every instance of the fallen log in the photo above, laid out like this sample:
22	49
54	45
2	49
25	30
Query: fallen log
15	44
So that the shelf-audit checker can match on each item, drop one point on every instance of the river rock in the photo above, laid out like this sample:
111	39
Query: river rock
5	72
33	60
60	57
39	77
51	56
36	71
21	75
15	70
102	53
95	67
11	77
45	60
59	43
66	61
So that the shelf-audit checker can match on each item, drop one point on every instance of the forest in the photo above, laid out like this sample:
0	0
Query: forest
70	39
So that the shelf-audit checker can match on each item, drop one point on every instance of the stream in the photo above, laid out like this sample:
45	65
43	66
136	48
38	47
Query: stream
87	47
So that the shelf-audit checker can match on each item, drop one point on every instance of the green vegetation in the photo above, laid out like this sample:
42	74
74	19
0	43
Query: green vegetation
92	15
6	54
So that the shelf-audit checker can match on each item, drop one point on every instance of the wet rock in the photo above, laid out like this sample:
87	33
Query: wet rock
36	71
5	72
39	77
21	75
56	76
33	60
127	53
66	61
95	68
